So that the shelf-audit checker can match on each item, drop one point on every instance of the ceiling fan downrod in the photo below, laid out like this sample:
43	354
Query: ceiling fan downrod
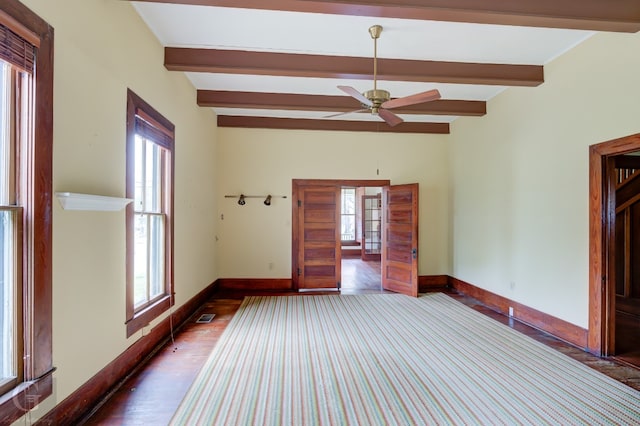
375	32
377	97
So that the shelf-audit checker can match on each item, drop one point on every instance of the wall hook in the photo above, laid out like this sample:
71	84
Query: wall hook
267	201
241	200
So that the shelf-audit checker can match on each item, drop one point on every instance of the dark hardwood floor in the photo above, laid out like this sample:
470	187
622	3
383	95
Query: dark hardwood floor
360	276
627	335
151	395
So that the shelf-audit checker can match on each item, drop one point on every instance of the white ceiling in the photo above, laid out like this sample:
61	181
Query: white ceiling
338	35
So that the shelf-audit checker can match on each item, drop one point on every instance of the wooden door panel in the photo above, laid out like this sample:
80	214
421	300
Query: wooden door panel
312	253
326	234
398	274
320	214
318	271
401	197
319	248
319	196
399	236
400	239
400	254
400	215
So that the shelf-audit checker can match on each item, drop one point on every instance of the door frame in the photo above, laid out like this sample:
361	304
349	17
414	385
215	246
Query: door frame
296	184
601	335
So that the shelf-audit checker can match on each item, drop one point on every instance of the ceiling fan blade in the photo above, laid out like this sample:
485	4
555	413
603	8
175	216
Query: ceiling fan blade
345	113
389	117
355	94
418	98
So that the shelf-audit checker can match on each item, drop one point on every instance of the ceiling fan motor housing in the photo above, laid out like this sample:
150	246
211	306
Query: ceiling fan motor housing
377	97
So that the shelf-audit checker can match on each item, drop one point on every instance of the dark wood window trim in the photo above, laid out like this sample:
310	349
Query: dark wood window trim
144	119
37	384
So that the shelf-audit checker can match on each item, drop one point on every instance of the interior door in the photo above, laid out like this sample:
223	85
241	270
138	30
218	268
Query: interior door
319	255
399	261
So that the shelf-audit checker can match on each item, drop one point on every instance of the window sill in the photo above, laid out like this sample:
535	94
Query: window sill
25	397
145	316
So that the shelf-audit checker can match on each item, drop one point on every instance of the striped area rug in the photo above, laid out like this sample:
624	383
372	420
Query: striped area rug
387	359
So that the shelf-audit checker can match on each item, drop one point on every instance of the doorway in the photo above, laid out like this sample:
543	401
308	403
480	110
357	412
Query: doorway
614	255
361	238
316	240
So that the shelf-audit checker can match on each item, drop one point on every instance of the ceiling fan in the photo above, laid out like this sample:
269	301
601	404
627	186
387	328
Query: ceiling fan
379	101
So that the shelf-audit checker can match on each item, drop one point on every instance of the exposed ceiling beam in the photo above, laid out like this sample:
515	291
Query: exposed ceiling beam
346	67
599	15
340	125
289	101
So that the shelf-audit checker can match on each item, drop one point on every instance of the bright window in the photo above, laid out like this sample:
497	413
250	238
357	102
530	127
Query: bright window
12	114
348	212
149	220
26	146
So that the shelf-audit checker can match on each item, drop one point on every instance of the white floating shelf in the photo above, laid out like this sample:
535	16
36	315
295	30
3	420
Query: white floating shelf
74	201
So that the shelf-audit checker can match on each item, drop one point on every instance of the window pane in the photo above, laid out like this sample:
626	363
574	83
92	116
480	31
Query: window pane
5	132
156	256
348	212
348	228
149	258
140	271
139	173
348	201
149	249
152	187
7	295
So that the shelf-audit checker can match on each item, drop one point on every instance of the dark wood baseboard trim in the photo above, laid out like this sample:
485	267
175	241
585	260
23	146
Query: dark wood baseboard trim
87	397
254	284
561	329
433	282
351	253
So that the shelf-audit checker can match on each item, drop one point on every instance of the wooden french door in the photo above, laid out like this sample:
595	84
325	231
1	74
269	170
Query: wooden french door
319	255
400	239
315	231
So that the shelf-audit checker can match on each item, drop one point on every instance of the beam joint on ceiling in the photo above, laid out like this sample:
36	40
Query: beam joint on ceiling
290	101
337	125
345	67
595	15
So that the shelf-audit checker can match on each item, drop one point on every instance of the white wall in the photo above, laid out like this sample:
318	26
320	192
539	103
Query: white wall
520	176
101	49
255	240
